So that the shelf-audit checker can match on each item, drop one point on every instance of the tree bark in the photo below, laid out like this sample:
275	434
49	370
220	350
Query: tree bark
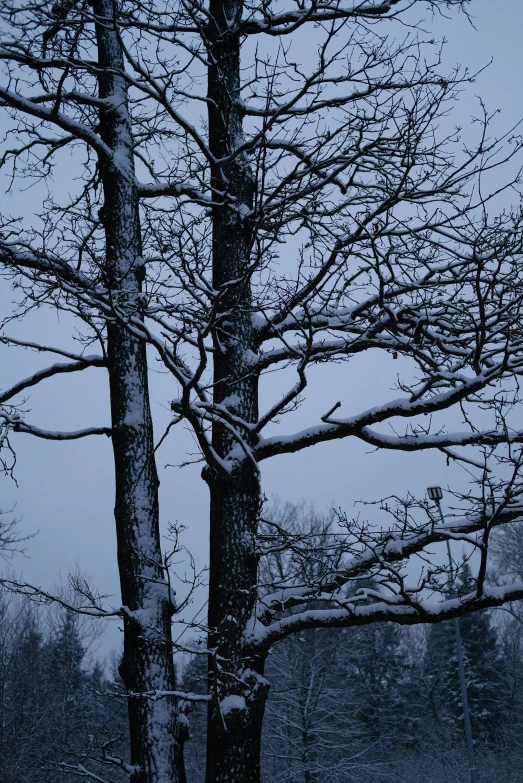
156	734
236	680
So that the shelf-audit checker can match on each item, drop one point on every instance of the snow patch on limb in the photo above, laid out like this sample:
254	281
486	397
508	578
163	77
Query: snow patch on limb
232	703
155	594
231	401
245	211
158	189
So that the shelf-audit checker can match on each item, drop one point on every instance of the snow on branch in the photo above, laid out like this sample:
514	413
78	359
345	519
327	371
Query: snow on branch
287	22
403	612
11	420
155	190
42	348
359	426
157	694
30	429
18	255
79	770
48	372
36	109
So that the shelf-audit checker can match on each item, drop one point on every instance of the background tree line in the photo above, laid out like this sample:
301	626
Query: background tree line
382	703
52	703
357	705
351	705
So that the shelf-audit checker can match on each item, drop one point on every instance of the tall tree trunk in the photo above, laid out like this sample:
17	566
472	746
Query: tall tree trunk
147	664
236	682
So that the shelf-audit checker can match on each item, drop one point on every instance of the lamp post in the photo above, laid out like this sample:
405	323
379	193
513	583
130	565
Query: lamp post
436	494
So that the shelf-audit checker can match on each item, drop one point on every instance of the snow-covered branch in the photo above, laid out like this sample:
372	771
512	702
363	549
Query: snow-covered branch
155	190
41	112
79	770
20	426
288	22
404	612
49	372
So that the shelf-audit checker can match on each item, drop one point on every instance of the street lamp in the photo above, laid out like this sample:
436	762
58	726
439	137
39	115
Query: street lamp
436	494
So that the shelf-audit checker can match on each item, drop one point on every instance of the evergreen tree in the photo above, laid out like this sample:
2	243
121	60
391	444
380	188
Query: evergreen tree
377	668
195	681
26	709
51	711
483	670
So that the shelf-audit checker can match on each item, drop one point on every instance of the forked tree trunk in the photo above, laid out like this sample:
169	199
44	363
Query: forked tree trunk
236	682
147	664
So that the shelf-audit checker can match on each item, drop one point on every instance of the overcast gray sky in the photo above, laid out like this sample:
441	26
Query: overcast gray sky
65	490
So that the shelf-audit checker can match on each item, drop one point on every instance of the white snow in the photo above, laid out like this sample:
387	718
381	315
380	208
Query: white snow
232	703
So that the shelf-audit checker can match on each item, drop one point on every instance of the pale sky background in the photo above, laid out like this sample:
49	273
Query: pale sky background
65	490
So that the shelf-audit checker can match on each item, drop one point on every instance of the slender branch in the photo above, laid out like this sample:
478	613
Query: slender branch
20	426
49	372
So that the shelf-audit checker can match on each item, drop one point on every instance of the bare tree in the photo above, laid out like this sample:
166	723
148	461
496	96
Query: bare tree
11	539
322	722
319	211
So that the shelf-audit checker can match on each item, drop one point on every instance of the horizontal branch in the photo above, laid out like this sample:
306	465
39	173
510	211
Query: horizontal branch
39	595
278	24
155	695
403	613
155	190
17	256
41	348
78	129
359	425
441	441
80	771
29	429
48	372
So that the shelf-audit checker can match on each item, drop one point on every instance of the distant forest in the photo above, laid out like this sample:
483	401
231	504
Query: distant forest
358	705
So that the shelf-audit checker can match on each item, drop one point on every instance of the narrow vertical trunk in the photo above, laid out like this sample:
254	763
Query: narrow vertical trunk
236	681
147	663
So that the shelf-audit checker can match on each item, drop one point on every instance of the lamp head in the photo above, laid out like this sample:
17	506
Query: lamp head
435	493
